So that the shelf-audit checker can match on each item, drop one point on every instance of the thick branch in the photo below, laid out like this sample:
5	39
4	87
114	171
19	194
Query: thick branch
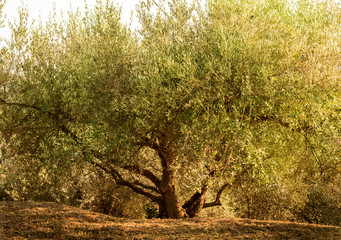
144	172
147	142
24	105
217	201
154	189
120	181
195	204
136	187
194	197
139	190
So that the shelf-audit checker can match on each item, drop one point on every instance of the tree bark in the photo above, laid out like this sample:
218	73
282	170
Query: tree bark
171	198
162	210
195	204
168	183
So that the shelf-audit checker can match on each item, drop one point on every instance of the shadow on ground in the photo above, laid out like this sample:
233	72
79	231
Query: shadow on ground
43	220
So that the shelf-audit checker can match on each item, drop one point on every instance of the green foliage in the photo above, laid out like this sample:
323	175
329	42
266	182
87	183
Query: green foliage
97	192
151	211
322	206
77	185
244	92
2	16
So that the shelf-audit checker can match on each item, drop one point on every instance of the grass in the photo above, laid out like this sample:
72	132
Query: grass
44	220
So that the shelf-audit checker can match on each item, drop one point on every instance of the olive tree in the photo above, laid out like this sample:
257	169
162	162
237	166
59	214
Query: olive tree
2	49
181	108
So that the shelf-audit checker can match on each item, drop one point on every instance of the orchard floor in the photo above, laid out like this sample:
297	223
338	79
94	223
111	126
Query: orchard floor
44	220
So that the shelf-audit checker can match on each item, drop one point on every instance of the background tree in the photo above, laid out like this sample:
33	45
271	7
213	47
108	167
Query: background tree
236	95
2	49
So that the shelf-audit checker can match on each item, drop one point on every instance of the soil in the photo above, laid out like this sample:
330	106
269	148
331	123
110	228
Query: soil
45	220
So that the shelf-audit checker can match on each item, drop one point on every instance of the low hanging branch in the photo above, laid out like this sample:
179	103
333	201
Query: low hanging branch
24	105
136	186
192	207
217	201
143	172
120	181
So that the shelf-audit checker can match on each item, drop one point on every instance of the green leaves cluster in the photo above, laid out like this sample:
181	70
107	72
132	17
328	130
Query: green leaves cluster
248	90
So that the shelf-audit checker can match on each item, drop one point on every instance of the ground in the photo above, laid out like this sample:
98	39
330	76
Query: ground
44	220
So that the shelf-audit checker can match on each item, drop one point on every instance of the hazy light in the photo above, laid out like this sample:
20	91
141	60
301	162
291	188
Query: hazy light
40	9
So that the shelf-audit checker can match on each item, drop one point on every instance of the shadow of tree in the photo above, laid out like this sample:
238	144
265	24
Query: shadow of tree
43	220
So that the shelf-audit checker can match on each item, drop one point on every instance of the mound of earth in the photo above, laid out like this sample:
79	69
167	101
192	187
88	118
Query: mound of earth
44	220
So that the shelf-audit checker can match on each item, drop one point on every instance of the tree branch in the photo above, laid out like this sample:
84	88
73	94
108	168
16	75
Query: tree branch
217	201
319	163
160	8
154	189
120	181
144	172
136	187
24	105
147	142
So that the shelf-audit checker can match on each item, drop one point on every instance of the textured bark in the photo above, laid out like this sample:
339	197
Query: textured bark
195	204
168	183
162	210
171	198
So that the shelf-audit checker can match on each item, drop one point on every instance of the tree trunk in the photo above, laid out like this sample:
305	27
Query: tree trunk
167	186
162	210
170	196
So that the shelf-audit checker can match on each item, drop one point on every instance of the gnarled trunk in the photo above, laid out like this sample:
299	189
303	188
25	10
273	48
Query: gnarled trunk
164	192
170	205
170	196
168	183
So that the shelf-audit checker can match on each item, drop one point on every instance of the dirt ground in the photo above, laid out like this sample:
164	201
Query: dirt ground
43	220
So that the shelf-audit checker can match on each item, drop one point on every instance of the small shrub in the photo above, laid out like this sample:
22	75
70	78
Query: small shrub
151	211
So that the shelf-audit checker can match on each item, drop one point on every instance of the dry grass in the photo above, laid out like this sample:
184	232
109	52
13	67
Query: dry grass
42	220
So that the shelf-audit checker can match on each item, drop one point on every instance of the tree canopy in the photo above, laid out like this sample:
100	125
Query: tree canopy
196	101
